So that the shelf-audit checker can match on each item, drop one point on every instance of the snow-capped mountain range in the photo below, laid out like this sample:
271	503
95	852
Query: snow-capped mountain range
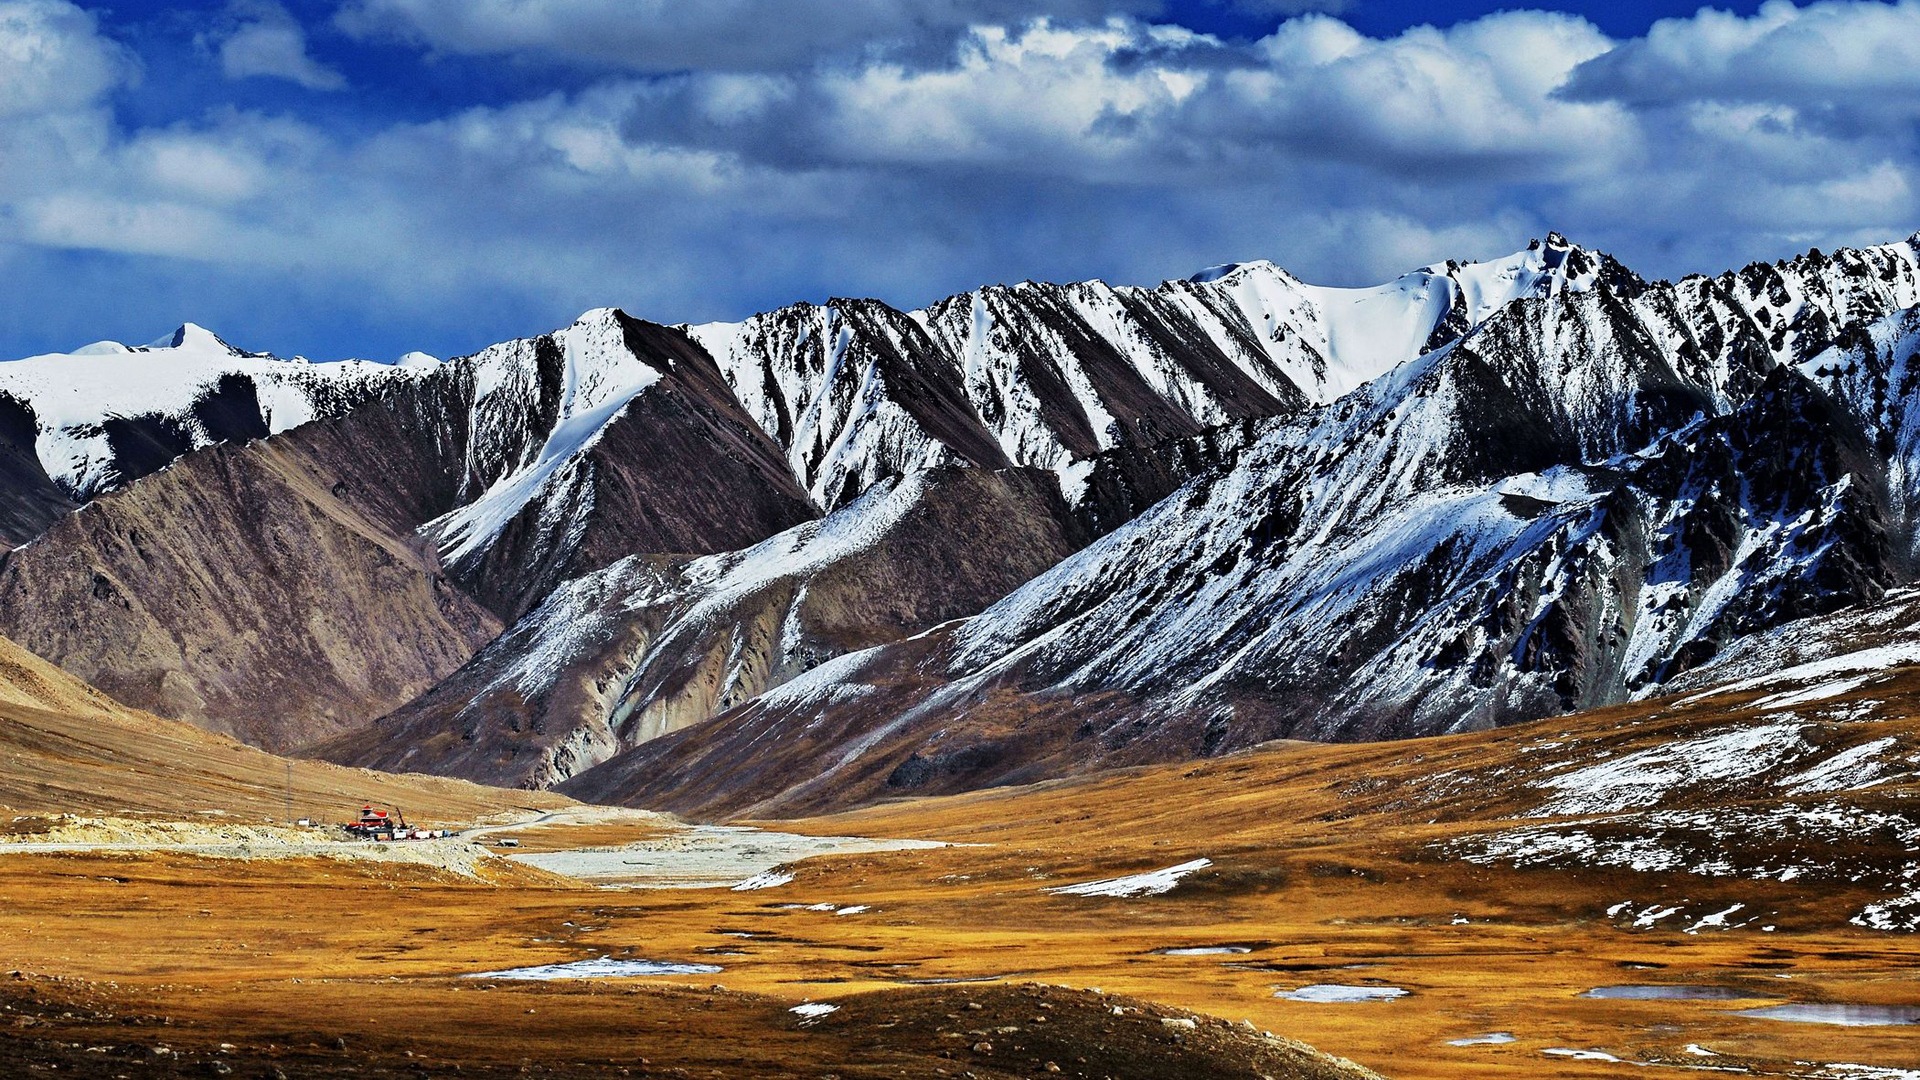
834	551
80	423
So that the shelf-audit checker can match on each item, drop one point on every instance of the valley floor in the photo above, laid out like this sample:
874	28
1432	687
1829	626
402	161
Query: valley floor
1685	851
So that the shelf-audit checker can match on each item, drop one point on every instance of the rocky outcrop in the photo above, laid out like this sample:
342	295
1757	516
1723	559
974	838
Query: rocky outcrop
30	501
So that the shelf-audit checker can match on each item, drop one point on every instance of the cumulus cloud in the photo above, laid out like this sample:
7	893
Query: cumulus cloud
266	40
1840	55
702	167
52	59
1134	103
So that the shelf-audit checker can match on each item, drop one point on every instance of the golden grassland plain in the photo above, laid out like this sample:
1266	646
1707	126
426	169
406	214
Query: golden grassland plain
1330	865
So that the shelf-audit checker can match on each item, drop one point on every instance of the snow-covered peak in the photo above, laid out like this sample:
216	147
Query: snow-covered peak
538	404
599	364
1548	267
101	348
1328	341
77	397
192	337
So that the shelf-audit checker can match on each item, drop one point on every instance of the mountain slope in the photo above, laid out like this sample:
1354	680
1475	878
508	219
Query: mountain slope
1576	500
610	437
234	589
652	644
287	568
65	748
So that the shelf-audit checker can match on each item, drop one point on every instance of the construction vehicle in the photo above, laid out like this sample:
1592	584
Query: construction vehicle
379	825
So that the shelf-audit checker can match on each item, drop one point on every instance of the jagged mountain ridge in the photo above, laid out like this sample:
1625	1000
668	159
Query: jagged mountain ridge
543	459
1099	386
1578	499
528	451
1053	376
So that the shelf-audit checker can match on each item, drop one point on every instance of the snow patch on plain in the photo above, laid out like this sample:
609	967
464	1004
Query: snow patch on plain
1152	883
771	879
1492	1038
1340	994
606	967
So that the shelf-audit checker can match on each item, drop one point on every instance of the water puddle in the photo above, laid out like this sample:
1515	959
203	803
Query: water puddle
605	967
1205	950
1340	994
1670	992
1842	1015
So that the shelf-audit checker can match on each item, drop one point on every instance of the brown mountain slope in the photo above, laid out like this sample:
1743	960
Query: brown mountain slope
679	468
873	725
65	747
655	644
289	569
808	759
234	589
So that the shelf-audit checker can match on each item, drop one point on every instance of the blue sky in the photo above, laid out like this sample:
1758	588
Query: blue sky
367	177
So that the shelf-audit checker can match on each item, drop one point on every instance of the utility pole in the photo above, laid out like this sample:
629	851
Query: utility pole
289	817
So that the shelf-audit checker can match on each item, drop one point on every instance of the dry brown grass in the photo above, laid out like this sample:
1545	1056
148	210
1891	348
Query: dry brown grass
1326	869
67	748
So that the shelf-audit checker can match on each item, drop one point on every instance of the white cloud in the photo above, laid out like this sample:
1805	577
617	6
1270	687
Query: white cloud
52	60
1136	104
1053	149
1845	54
266	41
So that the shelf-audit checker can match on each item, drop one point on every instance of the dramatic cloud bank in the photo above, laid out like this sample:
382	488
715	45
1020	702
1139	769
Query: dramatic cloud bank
694	161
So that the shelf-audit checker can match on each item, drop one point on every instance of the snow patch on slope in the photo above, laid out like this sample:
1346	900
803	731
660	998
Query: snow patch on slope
599	376
1645	778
